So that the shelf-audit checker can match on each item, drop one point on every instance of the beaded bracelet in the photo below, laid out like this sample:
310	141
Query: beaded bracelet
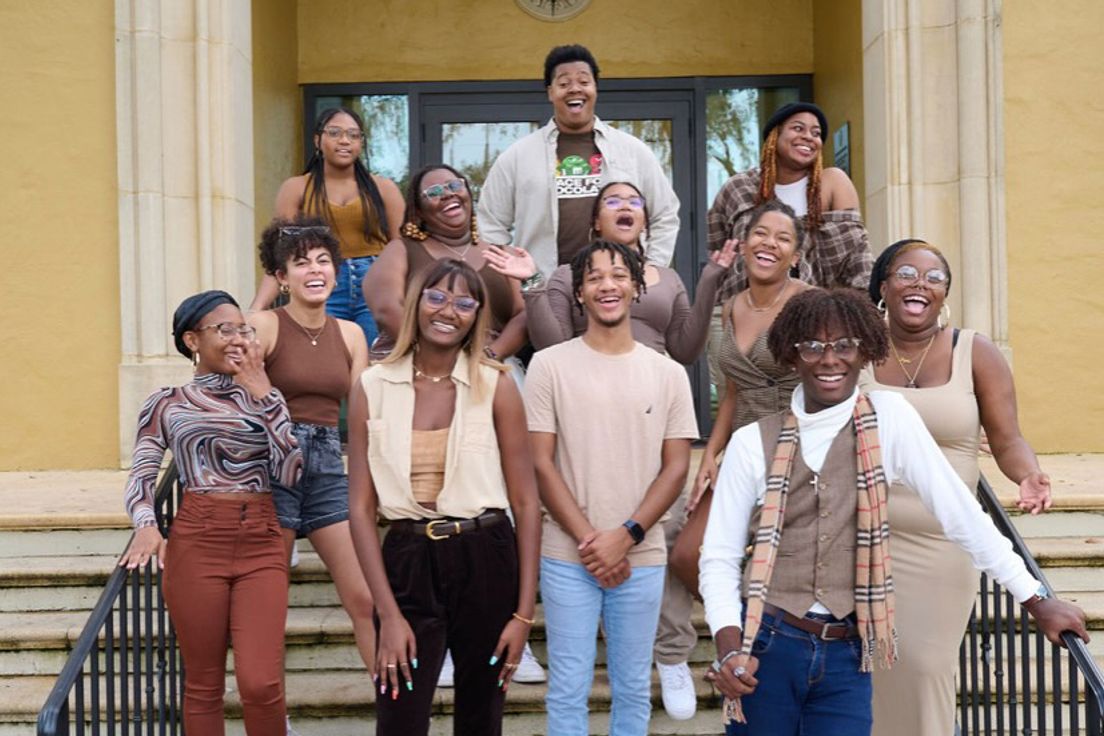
519	617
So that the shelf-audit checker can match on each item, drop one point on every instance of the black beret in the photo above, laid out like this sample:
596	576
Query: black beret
788	110
191	311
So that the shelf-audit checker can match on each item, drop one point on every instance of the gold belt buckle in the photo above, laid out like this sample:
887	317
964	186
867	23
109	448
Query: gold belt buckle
434	536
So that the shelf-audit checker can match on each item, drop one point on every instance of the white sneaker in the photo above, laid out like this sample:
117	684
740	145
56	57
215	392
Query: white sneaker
529	670
448	671
294	562
290	731
679	699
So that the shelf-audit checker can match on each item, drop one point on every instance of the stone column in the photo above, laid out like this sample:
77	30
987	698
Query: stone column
184	112
934	142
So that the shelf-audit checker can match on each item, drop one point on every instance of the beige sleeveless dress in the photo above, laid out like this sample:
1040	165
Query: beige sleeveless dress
934	580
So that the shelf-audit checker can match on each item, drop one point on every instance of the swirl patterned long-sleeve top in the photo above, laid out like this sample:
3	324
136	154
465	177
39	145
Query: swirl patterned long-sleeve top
223	440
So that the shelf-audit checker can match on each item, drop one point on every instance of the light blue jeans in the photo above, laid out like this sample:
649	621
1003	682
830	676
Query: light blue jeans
573	604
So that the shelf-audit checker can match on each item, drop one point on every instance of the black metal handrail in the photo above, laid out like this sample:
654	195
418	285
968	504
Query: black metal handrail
124	674
1008	670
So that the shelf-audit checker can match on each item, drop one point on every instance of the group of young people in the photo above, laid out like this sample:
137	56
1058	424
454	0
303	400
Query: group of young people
494	483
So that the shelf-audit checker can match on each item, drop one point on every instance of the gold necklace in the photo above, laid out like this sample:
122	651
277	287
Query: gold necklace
436	379
312	336
902	362
770	306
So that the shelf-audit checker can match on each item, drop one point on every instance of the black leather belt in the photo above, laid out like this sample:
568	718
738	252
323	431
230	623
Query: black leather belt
821	629
438	529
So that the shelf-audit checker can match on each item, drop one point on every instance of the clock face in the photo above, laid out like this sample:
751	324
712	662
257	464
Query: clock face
554	10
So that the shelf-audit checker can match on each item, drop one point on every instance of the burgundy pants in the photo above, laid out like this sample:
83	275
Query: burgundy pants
226	580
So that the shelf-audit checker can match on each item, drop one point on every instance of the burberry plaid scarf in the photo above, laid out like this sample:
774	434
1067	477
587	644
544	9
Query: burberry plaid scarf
873	578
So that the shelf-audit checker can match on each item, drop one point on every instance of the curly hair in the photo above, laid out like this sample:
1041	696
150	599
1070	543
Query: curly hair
812	313
567	55
880	272
581	264
284	240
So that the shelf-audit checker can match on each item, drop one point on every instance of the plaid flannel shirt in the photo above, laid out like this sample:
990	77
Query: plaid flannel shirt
839	255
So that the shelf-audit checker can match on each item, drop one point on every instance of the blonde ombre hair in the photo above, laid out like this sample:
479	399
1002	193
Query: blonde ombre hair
448	270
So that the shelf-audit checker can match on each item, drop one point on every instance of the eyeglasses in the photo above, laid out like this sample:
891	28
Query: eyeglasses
293	230
335	134
439	190
438	299
613	202
811	351
909	275
227	330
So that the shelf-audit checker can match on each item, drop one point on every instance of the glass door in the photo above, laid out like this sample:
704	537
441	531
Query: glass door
470	133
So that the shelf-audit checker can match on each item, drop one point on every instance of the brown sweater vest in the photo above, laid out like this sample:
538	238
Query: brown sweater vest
816	555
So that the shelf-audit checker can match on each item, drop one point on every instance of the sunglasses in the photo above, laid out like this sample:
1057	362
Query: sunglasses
811	351
439	190
438	299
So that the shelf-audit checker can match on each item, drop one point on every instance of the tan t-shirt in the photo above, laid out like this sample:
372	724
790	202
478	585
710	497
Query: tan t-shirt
610	415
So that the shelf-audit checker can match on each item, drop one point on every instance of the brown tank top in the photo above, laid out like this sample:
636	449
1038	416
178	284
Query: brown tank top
499	293
313	378
347	221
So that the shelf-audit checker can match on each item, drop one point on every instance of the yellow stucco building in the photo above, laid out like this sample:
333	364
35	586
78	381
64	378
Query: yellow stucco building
144	141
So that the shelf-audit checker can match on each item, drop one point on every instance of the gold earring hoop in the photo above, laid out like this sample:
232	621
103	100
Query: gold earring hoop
941	320
414	231
285	289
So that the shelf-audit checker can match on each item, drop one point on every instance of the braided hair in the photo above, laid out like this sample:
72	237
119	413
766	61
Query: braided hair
768	177
815	311
371	202
581	264
880	272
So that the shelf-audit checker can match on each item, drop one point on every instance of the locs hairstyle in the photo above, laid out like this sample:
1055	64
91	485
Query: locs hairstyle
581	264
813	312
566	55
371	201
284	240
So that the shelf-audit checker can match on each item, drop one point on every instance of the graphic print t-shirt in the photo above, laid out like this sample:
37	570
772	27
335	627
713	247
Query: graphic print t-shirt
578	178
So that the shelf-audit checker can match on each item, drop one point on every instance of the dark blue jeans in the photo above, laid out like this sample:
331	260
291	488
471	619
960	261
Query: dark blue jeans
806	686
347	299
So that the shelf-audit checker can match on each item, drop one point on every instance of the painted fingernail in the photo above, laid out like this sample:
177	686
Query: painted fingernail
414	662
494	659
409	685
395	694
383	688
500	683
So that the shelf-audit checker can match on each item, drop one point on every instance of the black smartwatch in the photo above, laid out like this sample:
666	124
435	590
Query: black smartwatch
635	531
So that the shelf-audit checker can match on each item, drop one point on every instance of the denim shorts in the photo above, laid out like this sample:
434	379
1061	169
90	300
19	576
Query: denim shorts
321	497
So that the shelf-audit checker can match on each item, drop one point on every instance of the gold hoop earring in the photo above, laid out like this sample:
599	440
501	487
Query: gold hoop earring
941	320
195	359
285	289
414	231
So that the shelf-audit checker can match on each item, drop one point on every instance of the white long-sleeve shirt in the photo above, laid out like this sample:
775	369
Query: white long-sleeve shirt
909	455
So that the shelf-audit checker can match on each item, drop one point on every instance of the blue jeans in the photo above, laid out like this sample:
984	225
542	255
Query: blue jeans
573	603
321	497
347	299
806	685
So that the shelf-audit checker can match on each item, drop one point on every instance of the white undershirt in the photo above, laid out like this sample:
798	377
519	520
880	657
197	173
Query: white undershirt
909	455
795	195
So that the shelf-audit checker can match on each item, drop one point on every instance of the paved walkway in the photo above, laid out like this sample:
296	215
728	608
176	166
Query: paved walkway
57	498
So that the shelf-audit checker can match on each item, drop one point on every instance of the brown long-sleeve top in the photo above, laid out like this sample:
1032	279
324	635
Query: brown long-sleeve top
663	319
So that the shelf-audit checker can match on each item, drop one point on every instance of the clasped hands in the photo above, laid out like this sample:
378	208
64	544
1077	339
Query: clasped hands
603	553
